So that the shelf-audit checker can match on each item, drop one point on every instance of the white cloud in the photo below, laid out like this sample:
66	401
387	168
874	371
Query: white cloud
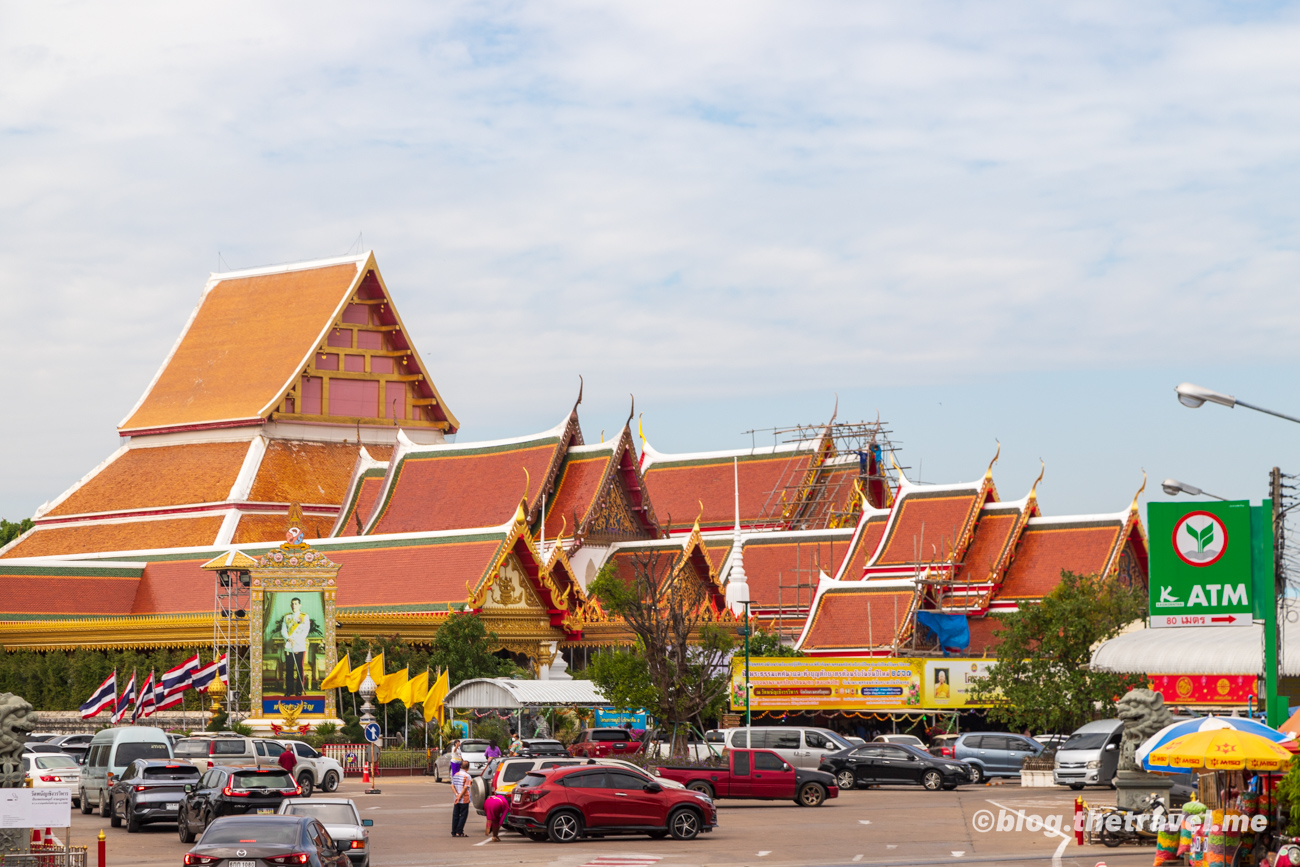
761	197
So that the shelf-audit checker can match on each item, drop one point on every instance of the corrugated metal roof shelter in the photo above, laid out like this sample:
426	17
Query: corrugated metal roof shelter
495	693
1196	650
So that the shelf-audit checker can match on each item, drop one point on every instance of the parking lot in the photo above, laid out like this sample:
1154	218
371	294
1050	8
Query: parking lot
881	827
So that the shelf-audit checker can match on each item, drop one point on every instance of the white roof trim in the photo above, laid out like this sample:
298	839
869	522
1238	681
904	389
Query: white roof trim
243	485
359	259
825	585
364	464
652	456
46	508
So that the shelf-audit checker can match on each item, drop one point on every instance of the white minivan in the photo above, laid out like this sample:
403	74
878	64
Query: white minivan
111	750
801	747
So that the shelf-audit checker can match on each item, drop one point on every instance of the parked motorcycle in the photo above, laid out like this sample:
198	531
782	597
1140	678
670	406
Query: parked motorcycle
1137	825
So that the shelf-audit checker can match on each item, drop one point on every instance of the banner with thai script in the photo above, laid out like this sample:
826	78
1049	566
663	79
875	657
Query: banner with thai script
798	683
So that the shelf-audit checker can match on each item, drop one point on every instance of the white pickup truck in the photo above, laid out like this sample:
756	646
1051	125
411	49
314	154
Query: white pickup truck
313	770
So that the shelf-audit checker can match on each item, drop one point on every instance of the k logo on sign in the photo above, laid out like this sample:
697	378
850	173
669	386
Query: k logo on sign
1200	539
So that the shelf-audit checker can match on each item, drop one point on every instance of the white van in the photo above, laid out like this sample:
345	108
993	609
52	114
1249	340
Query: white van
801	747
110	752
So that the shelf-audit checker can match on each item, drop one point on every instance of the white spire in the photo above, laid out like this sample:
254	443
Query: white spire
737	581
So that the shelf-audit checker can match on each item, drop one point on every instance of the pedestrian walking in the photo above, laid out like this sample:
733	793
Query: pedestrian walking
460	805
455	752
516	743
288	760
497	808
492	752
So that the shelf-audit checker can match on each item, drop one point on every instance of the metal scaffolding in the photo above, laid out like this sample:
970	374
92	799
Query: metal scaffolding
230	634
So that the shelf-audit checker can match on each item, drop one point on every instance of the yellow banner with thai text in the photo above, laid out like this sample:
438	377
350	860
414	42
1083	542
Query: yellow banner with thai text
800	683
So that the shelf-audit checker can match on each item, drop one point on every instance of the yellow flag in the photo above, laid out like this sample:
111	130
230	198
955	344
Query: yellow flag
355	677
377	668
389	686
433	701
338	676
414	691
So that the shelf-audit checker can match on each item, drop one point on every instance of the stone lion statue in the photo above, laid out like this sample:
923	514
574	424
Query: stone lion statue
1143	713
17	721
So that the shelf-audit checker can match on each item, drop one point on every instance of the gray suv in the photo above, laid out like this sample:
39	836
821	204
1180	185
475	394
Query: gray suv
995	754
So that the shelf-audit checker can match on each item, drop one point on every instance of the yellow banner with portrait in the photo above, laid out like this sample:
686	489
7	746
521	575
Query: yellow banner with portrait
883	684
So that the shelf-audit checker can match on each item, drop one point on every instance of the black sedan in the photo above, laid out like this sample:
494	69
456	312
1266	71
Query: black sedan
239	841
149	791
894	765
228	791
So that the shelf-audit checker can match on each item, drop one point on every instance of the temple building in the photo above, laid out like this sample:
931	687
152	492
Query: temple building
299	386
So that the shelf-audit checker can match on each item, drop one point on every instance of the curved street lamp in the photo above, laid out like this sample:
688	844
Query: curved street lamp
1194	396
1173	488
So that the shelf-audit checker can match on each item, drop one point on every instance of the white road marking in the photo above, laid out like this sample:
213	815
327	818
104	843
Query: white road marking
857	858
957	853
485	842
1065	838
864	821
891	845
765	852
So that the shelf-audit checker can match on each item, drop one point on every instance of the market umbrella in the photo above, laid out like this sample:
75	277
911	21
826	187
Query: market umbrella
1201	724
1292	726
1222	750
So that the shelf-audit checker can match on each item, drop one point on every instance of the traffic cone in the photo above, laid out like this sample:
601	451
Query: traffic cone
365	774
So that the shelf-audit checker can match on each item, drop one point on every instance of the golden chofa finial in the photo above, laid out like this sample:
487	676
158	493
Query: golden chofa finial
862	494
988	474
559	537
521	513
893	462
1134	506
1033	490
698	516
640	430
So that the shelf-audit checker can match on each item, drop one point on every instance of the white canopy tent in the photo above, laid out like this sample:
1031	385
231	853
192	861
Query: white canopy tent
1199	650
502	693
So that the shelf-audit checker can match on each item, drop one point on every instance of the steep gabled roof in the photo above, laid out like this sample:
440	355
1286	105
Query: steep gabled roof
679	484
451	486
866	539
775	562
1083	544
600	494
689	556
931	523
254	332
858	617
368	473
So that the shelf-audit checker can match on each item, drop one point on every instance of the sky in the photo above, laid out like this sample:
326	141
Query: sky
1016	222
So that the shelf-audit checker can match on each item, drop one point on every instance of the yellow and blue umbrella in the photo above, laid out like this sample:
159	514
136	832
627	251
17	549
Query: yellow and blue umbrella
1201	724
1222	749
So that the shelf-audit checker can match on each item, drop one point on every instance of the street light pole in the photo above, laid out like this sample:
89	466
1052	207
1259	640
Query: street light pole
1194	396
748	699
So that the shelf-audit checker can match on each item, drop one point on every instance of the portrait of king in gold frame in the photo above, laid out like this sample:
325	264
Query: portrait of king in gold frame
293	644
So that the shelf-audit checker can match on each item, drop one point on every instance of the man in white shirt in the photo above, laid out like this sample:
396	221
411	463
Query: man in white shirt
295	628
460	805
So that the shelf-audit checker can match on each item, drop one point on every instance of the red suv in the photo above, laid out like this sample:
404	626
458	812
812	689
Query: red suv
599	743
567	803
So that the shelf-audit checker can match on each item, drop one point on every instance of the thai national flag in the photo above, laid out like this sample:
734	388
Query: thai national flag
146	705
163	701
180	678
104	697
203	677
125	701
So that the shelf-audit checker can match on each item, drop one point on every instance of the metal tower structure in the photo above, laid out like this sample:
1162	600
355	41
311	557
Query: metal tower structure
232	596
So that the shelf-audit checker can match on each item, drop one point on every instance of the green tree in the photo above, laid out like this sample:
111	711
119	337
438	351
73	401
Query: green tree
623	675
10	530
1042	680
763	643
683	651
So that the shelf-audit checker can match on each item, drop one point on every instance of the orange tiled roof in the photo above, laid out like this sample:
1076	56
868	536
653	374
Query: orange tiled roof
465	486
982	639
576	490
857	618
142	478
305	472
769	562
243	346
143	535
271	527
991	545
361	505
1048	546
871	527
717	551
946	514
678	486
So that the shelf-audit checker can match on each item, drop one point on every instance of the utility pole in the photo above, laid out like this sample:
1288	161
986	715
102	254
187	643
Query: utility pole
1276	710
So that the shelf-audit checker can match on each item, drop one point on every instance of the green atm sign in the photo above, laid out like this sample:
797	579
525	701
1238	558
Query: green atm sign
1200	564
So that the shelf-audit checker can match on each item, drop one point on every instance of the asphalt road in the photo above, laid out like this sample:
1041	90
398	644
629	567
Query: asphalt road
872	827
